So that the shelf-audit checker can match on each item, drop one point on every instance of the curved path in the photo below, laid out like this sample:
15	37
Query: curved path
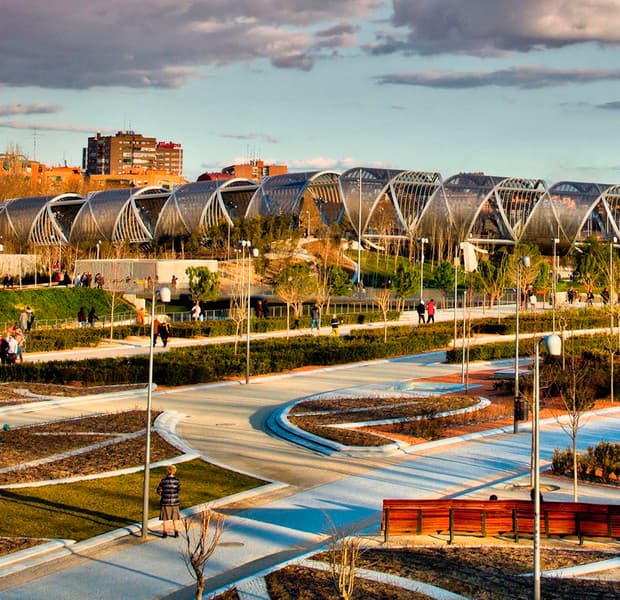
225	423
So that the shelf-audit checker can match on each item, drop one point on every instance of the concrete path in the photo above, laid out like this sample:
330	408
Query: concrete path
225	423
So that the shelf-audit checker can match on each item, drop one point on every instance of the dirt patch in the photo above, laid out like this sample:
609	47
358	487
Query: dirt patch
484	573
26	444
21	392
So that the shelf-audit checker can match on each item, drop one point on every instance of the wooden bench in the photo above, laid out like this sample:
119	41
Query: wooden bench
498	517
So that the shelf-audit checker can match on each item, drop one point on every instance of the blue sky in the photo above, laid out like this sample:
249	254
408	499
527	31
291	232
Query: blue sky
528	88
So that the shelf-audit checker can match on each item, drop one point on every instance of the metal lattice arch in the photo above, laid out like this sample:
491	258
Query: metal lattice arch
122	215
366	191
490	209
310	197
41	220
586	209
402	205
193	208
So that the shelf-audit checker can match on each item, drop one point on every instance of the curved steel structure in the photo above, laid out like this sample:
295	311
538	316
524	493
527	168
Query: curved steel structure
379	203
193	208
315	192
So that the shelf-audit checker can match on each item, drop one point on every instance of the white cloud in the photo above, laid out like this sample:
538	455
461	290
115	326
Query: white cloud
7	110
161	43
495	27
519	77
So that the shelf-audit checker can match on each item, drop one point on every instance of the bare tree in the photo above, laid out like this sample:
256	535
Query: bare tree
343	555
578	397
383	299
201	540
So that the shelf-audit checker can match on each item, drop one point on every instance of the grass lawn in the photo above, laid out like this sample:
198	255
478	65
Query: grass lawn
85	509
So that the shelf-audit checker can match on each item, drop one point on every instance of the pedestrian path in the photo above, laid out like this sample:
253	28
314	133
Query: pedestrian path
266	536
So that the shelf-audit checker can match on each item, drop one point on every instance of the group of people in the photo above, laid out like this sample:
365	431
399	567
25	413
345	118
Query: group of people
426	311
83	318
13	343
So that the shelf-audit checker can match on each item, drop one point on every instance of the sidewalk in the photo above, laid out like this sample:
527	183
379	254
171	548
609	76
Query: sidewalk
263	537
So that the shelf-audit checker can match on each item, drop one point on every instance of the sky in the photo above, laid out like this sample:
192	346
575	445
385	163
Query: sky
527	88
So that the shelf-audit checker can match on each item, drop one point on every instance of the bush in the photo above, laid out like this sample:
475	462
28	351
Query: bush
599	463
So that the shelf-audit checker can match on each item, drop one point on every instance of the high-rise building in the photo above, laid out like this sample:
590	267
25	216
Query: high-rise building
169	157
131	153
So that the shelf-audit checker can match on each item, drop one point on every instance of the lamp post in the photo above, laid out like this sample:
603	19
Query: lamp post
252	252
422	241
554	275
98	248
553	343
525	261
359	236
164	295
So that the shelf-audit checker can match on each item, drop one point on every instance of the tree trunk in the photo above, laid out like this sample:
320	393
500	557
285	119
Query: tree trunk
575	490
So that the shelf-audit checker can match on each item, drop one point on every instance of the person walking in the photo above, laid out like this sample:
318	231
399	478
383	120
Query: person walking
315	313
168	490
421	309
155	330
81	317
335	323
430	311
92	316
164	331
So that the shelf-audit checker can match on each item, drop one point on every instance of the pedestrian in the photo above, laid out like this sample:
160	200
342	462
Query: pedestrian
164	331
196	311
155	330
335	323
430	311
92	316
605	296
265	308
259	309
140	317
590	297
168	490
23	320
81	317
29	320
420	309
20	338
315	313
570	294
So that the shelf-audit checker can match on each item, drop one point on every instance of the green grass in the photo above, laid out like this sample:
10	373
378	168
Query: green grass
85	509
57	303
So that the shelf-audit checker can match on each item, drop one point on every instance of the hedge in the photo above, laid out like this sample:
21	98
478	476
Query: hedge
203	364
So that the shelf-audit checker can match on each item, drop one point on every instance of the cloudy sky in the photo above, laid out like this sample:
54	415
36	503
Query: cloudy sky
528	88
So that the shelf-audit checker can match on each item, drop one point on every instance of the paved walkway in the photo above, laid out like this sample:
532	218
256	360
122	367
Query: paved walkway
225	423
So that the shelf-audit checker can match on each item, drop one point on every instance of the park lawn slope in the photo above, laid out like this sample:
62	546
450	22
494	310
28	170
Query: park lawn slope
85	509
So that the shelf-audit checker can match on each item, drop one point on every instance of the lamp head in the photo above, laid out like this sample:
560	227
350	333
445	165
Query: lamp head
553	343
525	261
164	294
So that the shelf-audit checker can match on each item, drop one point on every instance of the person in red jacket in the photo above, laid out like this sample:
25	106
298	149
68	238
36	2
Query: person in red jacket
430	311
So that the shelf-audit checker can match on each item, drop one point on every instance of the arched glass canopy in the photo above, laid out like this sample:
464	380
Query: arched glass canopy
315	193
491	209
365	190
195	207
125	215
584	209
43	220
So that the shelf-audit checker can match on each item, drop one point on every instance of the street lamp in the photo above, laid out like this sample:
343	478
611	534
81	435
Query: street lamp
164	296
359	236
525	261
554	274
422	241
98	247
553	343
252	252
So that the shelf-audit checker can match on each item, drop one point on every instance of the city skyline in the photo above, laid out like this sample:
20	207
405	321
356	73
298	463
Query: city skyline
440	86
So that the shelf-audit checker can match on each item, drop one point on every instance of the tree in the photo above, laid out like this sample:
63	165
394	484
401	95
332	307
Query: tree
578	396
295	284
405	282
201	540
203	285
383	299
492	276
443	279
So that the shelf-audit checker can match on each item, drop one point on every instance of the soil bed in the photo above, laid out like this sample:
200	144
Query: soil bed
484	573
